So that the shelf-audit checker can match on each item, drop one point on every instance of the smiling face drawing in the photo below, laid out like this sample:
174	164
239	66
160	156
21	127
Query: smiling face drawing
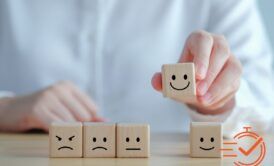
207	148
173	77
206	139
99	139
66	139
178	81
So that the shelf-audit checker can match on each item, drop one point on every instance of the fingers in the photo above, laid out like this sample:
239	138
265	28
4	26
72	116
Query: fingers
63	93
77	109
219	56
61	111
198	48
85	101
227	82
78	104
222	102
46	118
156	81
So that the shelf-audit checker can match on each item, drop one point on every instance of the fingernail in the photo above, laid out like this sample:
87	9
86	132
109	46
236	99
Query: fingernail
202	88
201	71
207	98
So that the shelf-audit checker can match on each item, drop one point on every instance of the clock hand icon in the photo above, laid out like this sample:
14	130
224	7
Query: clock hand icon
253	147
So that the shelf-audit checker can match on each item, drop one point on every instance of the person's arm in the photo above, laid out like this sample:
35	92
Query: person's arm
62	101
228	87
240	23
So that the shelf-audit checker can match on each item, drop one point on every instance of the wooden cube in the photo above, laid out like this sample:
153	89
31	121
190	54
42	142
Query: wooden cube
178	81
133	140
206	139
99	139
65	139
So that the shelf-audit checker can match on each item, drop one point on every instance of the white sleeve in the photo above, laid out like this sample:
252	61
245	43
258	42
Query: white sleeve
240	22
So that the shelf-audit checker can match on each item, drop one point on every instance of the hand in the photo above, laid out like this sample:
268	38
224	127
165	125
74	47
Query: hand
60	102
218	72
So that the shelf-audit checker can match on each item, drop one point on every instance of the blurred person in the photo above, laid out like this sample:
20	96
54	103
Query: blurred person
81	60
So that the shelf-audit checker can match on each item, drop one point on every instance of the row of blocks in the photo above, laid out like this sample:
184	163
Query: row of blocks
99	140
125	140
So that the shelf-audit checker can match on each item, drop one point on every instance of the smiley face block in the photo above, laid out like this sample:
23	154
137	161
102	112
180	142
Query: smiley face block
178	81
133	140
65	139
99	139
205	139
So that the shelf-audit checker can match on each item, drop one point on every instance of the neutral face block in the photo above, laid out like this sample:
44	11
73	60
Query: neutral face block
133	140
206	139
178	81
65	139
99	139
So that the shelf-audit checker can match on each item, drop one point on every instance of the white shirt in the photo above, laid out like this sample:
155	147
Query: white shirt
111	49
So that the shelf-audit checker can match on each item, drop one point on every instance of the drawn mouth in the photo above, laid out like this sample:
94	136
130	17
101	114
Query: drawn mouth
99	147
179	88
133	148
65	147
207	148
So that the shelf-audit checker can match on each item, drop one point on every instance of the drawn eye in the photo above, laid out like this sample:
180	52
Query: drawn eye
127	139
185	76
173	77
202	139
59	138
70	138
105	139
94	139
138	139
212	139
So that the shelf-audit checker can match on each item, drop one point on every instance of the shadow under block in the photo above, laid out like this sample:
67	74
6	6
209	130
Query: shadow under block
99	139
65	139
133	140
206	139
178	81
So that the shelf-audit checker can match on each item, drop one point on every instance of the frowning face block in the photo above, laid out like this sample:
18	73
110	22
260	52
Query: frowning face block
99	139
65	139
178	81
133	140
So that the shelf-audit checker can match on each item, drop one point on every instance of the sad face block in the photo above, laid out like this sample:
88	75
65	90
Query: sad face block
99	139
178	81
205	139
133	140
65	139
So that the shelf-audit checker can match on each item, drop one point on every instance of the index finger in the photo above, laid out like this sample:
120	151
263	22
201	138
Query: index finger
198	49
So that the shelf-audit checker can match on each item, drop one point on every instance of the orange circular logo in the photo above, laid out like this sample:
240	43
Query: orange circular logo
248	148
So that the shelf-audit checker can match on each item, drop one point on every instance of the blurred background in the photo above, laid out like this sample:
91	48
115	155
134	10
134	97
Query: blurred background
266	8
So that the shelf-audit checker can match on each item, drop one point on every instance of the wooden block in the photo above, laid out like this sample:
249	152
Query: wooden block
178	81
206	139
65	139
99	139
133	140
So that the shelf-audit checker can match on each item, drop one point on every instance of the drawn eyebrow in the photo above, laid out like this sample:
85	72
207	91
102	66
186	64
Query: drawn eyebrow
70	138
59	138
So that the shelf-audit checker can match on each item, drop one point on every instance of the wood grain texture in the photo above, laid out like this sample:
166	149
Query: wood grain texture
167	148
206	139
99	139
133	140
178	81
65	139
